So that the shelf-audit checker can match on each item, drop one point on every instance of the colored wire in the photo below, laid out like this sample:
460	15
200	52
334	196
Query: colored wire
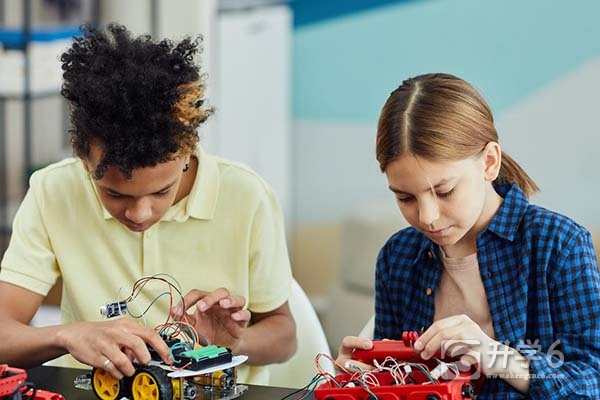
307	390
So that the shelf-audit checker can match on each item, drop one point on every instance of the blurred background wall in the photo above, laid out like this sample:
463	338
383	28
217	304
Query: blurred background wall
536	62
298	86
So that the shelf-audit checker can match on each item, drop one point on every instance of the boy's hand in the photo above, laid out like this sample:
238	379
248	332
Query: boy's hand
112	345
217	315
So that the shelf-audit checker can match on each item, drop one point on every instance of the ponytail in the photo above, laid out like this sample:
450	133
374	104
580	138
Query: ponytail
511	172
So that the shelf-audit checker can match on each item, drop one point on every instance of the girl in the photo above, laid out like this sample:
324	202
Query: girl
481	271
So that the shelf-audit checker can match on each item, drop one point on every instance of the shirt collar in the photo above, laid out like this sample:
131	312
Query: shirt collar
90	180
505	222
507	219
202	200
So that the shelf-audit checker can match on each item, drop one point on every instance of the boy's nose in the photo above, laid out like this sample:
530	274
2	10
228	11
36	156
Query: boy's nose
139	212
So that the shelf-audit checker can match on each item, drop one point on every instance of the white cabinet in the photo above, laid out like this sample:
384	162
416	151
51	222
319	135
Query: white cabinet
250	89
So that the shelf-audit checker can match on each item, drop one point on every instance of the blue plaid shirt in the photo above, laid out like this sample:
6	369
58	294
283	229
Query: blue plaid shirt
542	283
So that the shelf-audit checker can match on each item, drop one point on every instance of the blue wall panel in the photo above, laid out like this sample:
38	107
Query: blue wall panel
344	68
307	12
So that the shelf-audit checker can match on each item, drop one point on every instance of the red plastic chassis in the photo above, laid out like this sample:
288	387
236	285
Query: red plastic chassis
13	381
457	388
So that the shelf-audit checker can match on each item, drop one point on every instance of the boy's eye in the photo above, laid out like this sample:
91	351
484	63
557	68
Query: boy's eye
114	195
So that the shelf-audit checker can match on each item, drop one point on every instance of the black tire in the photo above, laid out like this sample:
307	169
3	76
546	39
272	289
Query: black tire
467	391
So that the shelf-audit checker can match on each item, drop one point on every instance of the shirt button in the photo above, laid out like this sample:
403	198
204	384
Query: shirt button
429	254
428	291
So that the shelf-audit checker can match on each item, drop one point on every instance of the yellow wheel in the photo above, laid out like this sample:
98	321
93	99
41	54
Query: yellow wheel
106	387
151	383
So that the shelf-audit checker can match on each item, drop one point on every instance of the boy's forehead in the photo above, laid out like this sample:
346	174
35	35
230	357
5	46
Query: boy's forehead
96	154
143	181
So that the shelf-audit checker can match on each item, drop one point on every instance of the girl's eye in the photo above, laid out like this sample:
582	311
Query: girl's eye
403	199
114	195
162	193
445	194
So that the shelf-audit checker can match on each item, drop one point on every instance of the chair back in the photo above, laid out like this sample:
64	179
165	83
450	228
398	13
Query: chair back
369	328
298	371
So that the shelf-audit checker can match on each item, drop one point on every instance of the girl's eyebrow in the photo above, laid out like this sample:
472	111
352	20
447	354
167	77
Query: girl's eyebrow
437	185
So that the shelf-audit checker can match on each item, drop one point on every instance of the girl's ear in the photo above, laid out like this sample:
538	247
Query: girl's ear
492	156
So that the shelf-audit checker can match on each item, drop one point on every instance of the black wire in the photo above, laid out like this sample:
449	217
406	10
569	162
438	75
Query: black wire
295	392
312	381
20	394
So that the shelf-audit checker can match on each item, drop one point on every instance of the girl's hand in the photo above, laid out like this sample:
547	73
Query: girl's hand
349	344
459	337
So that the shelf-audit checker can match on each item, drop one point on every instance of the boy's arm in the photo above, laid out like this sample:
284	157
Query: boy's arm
22	345
93	343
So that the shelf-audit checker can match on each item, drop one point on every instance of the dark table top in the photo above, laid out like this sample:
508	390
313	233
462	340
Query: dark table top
60	380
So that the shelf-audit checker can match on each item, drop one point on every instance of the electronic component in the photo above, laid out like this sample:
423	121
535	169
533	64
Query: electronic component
199	370
202	357
115	309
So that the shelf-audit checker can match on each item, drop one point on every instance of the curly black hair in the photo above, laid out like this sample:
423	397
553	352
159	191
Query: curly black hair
141	101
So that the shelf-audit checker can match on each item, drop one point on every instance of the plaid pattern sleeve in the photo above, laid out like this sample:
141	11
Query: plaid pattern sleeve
569	366
543	287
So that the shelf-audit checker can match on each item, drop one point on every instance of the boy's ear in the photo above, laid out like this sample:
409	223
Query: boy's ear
87	165
492	156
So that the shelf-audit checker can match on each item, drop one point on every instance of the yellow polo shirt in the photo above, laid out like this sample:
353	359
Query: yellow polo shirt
227	233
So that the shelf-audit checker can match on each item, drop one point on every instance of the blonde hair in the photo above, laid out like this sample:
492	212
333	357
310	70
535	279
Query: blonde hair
190	111
441	117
